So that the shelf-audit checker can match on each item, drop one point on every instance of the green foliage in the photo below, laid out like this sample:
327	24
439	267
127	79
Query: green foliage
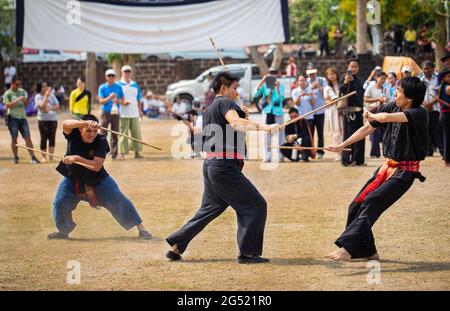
7	28
307	17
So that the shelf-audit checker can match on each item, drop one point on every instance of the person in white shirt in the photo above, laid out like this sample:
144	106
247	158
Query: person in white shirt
333	118
130	113
375	96
9	72
430	78
179	107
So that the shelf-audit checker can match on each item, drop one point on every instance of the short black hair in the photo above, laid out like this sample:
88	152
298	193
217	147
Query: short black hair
429	63
82	79
223	78
353	59
89	117
414	89
382	74
293	110
39	86
15	78
443	73
393	73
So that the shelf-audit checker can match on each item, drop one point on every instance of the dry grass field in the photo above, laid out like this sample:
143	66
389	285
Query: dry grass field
307	207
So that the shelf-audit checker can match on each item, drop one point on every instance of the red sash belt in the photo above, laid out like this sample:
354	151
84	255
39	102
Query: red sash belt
224	155
82	189
388	169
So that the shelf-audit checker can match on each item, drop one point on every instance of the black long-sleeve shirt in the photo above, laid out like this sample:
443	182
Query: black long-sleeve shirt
354	85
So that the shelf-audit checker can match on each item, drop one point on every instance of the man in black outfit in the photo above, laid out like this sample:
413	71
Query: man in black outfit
293	132
405	144
353	114
224	127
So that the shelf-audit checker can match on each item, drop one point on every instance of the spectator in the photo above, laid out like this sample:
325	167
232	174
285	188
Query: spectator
375	96
372	79
332	115
317	84
291	68
338	40
60	95
47	121
110	96
15	100
273	97
209	93
410	40
423	42
80	100
130	113
179	107
429	77
446	60
398	39
303	98
391	85
353	114
406	71
323	41
296	135
8	73
153	106
444	95
194	122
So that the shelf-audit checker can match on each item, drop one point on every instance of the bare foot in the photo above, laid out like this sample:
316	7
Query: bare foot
121	157
340	254
175	249
374	257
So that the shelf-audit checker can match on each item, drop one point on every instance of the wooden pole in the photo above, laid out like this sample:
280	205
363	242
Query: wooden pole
54	155
120	134
317	109
306	148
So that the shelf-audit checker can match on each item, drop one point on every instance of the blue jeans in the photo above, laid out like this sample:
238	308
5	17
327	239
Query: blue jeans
18	125
108	195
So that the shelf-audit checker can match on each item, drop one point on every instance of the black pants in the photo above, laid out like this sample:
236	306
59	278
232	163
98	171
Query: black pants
352	122
47	129
318	124
435	139
225	185
446	130
114	120
358	238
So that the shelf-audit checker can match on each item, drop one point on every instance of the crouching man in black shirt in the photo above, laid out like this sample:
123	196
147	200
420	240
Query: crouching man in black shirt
93	184
405	144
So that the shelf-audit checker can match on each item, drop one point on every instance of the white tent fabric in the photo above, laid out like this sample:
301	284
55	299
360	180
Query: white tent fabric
125	28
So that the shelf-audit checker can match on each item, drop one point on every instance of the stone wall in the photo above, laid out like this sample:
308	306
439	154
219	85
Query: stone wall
156	75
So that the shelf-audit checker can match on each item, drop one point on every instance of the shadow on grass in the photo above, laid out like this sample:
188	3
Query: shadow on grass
116	239
409	266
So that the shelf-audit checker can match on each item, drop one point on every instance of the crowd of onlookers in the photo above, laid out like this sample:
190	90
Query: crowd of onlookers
122	108
123	105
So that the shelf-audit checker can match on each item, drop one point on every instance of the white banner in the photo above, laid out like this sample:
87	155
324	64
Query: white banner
149	26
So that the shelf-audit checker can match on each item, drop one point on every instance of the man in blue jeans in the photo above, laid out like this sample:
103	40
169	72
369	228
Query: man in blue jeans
85	179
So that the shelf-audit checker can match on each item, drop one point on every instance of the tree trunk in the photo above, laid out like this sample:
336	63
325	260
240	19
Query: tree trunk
91	74
441	38
258	59
278	56
117	64
361	27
